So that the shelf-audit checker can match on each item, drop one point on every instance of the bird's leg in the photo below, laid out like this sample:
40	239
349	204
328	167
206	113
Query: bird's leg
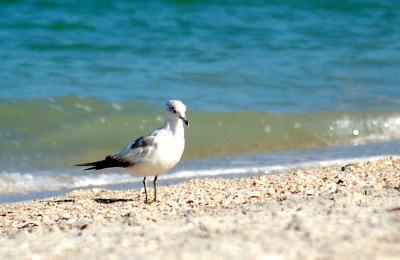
155	187
145	189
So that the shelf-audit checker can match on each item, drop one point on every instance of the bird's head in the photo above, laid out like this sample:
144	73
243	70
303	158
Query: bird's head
175	109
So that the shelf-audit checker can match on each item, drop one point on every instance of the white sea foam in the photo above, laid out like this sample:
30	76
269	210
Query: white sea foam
14	182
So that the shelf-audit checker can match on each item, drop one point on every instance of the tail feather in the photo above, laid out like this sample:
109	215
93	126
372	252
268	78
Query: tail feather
108	162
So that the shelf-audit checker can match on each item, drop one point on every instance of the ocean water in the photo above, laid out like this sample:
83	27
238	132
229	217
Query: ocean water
78	79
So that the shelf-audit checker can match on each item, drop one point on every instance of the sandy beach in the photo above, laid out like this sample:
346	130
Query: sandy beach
334	212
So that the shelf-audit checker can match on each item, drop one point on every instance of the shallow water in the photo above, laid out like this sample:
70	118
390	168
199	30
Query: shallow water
49	134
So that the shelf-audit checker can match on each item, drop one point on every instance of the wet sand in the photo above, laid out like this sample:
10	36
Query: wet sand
334	212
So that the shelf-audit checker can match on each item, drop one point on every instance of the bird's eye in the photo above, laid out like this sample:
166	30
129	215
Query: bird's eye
172	109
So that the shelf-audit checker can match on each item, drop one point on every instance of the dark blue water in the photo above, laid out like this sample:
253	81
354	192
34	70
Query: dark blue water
279	56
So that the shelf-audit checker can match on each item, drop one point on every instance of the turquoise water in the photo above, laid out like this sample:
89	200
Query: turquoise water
276	56
78	79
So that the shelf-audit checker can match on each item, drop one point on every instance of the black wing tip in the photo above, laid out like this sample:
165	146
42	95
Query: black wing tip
108	162
82	164
85	165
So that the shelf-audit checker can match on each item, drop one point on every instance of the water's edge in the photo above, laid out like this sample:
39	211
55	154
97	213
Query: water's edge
222	167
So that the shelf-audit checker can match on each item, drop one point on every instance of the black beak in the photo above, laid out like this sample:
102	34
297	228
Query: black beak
185	121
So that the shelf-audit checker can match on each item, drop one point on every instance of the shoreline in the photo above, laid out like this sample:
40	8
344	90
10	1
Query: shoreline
331	211
24	186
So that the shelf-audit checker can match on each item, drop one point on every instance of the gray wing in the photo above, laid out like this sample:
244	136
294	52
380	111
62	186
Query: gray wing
138	150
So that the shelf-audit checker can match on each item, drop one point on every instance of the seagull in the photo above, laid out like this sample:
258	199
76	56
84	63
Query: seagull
152	154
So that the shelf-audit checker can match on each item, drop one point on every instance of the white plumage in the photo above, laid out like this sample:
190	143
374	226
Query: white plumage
155	153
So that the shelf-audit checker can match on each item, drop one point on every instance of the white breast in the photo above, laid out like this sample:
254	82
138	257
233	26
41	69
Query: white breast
165	156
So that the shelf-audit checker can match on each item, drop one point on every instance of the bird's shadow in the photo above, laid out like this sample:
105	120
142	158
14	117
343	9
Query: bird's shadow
110	201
